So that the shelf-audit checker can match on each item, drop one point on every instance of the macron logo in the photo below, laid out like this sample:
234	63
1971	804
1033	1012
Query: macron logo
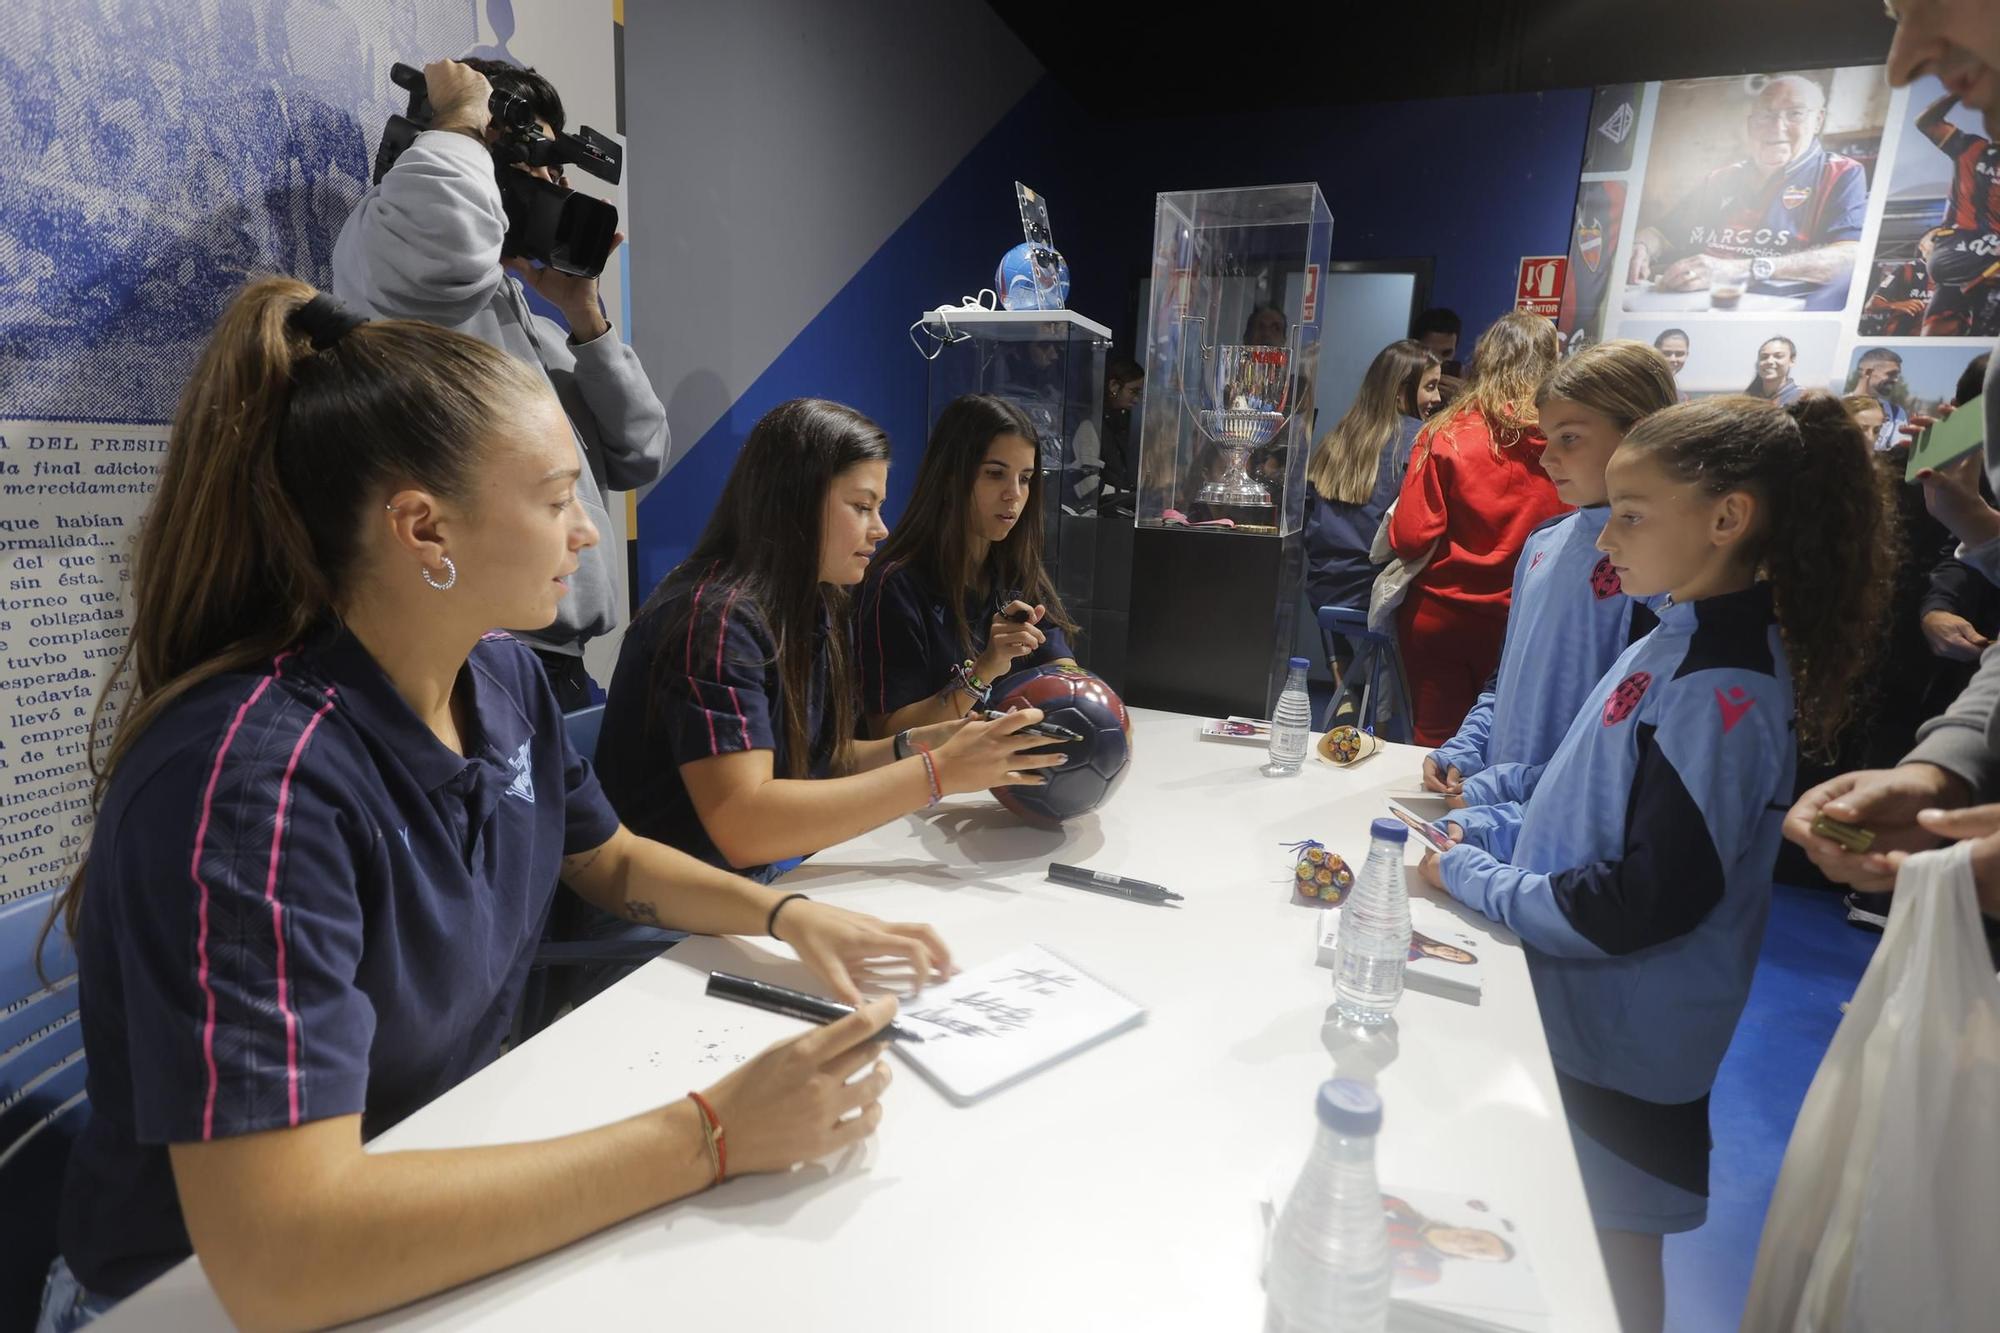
523	786
1733	705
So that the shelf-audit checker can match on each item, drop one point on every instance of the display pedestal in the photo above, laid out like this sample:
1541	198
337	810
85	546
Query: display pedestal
1191	651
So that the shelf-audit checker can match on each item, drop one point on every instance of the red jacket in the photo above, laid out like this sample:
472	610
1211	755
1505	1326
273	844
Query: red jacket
1478	509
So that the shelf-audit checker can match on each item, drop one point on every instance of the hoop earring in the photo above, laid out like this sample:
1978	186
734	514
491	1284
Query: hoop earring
450	575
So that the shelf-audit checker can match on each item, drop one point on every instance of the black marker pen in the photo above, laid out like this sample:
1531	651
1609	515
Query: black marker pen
1048	729
793	1003
1099	881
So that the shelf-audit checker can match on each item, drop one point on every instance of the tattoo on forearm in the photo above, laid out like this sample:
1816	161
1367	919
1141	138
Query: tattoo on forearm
642	912
582	861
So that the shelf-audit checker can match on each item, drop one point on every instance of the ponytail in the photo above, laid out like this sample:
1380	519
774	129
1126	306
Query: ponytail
1828	541
297	414
1833	552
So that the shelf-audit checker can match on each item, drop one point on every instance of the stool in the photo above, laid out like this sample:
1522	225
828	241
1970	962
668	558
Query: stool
1377	667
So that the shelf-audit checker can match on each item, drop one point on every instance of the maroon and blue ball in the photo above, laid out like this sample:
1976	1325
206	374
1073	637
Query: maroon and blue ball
1070	697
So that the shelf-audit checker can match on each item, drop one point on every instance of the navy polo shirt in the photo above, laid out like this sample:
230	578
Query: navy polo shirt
907	643
697	676
1819	198
299	905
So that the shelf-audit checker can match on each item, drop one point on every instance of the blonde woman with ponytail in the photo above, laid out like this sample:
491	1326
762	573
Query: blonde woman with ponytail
1569	618
329	828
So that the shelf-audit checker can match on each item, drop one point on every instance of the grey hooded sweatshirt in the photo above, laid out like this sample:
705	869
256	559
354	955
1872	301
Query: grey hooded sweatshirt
425	244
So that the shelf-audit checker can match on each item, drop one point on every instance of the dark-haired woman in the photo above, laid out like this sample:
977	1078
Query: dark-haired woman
329	827
958	599
1636	864
730	727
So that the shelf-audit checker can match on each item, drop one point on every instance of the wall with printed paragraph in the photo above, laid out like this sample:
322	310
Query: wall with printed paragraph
152	155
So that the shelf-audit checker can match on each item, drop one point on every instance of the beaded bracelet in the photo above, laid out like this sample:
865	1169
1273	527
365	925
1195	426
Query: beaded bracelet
930	771
963	679
712	1138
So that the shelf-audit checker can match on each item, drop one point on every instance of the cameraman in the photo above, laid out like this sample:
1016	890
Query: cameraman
425	244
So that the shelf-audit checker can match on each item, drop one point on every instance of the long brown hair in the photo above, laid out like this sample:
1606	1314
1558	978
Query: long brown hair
1622	379
1829	543
933	534
1345	463
1511	361
275	450
761	549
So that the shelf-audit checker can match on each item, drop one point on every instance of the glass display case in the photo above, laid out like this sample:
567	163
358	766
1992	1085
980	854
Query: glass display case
1231	356
1051	364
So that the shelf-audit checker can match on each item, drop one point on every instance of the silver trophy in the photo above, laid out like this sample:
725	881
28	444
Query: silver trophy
1248	391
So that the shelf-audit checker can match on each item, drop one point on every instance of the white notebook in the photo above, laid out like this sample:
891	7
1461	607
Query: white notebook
999	1022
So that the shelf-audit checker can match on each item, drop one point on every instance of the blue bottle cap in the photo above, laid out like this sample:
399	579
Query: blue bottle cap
1300	664
1392	830
1346	1106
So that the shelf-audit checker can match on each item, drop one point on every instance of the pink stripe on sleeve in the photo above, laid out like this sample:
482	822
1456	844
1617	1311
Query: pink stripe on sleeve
278	911
721	638
194	869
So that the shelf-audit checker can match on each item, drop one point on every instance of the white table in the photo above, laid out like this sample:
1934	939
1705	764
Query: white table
1120	1190
1645	300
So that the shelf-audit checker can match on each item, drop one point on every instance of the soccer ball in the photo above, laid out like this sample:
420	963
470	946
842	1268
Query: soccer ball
1070	697
1032	277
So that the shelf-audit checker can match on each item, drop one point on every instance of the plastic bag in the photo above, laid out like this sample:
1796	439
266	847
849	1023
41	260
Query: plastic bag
1884	1213
1394	579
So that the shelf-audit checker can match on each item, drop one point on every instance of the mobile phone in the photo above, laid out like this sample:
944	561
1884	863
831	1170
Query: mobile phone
1433	838
1947	441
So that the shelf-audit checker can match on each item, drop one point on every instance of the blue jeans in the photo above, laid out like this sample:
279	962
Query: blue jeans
66	1306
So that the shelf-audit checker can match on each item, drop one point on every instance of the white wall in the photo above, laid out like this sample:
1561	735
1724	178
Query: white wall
773	146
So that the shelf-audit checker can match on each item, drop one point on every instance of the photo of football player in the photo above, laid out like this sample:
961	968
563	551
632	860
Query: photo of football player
1777	225
1936	269
1600	209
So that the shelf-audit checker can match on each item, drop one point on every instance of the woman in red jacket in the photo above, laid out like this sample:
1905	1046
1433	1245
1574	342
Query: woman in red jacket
1474	491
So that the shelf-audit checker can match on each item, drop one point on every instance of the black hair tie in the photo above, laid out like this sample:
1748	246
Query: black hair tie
324	320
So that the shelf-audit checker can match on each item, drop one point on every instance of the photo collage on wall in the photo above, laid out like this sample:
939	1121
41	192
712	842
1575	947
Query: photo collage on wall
1795	230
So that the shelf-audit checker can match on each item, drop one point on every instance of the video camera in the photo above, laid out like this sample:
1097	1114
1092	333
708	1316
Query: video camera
546	222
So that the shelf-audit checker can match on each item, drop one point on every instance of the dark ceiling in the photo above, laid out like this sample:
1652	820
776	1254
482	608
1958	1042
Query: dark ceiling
1123	60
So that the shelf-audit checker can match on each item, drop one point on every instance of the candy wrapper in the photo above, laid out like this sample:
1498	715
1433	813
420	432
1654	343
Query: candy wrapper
1347	746
1321	878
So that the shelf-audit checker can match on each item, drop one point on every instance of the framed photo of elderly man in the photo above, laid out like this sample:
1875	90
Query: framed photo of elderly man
1756	190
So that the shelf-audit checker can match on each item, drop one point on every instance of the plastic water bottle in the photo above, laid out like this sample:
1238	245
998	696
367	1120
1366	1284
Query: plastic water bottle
1291	724
1329	1266
1374	939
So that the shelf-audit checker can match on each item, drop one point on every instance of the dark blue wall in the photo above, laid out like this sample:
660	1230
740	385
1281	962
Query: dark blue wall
1474	182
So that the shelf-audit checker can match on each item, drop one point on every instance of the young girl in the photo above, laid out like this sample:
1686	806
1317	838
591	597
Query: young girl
1472	495
1358	468
1637	870
730	727
1569	618
330	825
961	580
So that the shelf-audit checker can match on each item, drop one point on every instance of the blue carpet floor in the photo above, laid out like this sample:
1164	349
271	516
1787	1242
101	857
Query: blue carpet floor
1811	961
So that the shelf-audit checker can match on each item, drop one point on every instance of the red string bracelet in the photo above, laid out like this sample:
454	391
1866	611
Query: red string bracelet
718	1147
